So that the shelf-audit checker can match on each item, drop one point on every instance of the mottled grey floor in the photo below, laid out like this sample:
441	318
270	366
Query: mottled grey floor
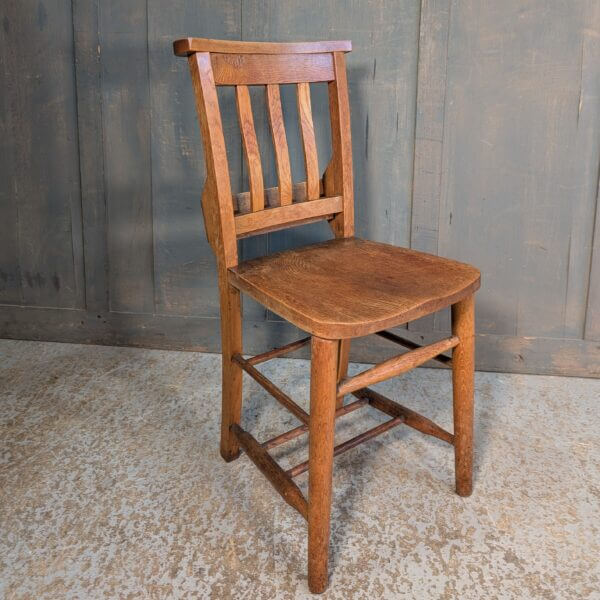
112	486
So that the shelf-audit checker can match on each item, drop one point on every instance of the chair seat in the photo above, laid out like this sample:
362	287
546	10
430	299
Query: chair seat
346	288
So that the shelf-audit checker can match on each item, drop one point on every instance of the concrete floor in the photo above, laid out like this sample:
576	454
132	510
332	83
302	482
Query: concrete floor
111	486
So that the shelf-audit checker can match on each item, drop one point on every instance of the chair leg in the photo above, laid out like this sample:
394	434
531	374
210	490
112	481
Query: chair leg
324	361
463	367
342	370
231	343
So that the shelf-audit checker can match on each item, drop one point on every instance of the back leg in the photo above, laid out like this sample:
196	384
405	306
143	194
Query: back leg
231	344
342	371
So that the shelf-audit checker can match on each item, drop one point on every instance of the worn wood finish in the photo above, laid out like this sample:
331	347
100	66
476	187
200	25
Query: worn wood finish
522	92
251	150
311	161
216	205
231	379
88	79
186	46
127	155
280	146
289	491
41	245
287	216
429	133
258	69
409	417
339	177
323	377
463	361
395	366
292	285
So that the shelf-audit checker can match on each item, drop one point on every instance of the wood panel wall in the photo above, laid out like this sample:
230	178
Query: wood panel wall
476	135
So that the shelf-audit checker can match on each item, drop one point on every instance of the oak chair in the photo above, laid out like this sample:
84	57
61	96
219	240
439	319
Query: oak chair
335	291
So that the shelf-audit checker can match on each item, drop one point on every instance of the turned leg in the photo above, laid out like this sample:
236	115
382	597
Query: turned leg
231	343
463	366
323	380
342	370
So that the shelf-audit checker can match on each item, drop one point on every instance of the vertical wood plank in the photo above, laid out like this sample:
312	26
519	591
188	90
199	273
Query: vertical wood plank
592	317
589	109
280	146
184	266
127	158
518	147
251	149
307	130
429	132
10	274
91	151
40	158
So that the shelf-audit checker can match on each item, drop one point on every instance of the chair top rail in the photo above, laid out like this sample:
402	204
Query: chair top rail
189	45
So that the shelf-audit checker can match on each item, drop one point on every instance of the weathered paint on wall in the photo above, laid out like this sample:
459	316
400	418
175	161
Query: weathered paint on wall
476	135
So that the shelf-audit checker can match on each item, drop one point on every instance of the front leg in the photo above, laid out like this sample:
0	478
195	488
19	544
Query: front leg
323	387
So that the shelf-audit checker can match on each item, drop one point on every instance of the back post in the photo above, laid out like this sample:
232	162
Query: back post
217	205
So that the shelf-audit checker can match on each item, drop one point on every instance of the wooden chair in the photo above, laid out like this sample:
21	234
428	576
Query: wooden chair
335	291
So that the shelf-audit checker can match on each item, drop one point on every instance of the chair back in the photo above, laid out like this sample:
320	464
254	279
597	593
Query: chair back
241	64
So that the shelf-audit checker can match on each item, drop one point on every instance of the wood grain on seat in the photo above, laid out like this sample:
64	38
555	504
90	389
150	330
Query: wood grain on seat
352	287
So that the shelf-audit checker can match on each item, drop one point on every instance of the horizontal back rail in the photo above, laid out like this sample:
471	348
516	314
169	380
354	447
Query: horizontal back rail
187	46
263	69
287	216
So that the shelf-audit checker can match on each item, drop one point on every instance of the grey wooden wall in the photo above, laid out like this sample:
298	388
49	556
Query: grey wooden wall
476	132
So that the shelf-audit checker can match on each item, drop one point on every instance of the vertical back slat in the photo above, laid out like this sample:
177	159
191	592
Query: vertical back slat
282	157
251	150
338	176
308	141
